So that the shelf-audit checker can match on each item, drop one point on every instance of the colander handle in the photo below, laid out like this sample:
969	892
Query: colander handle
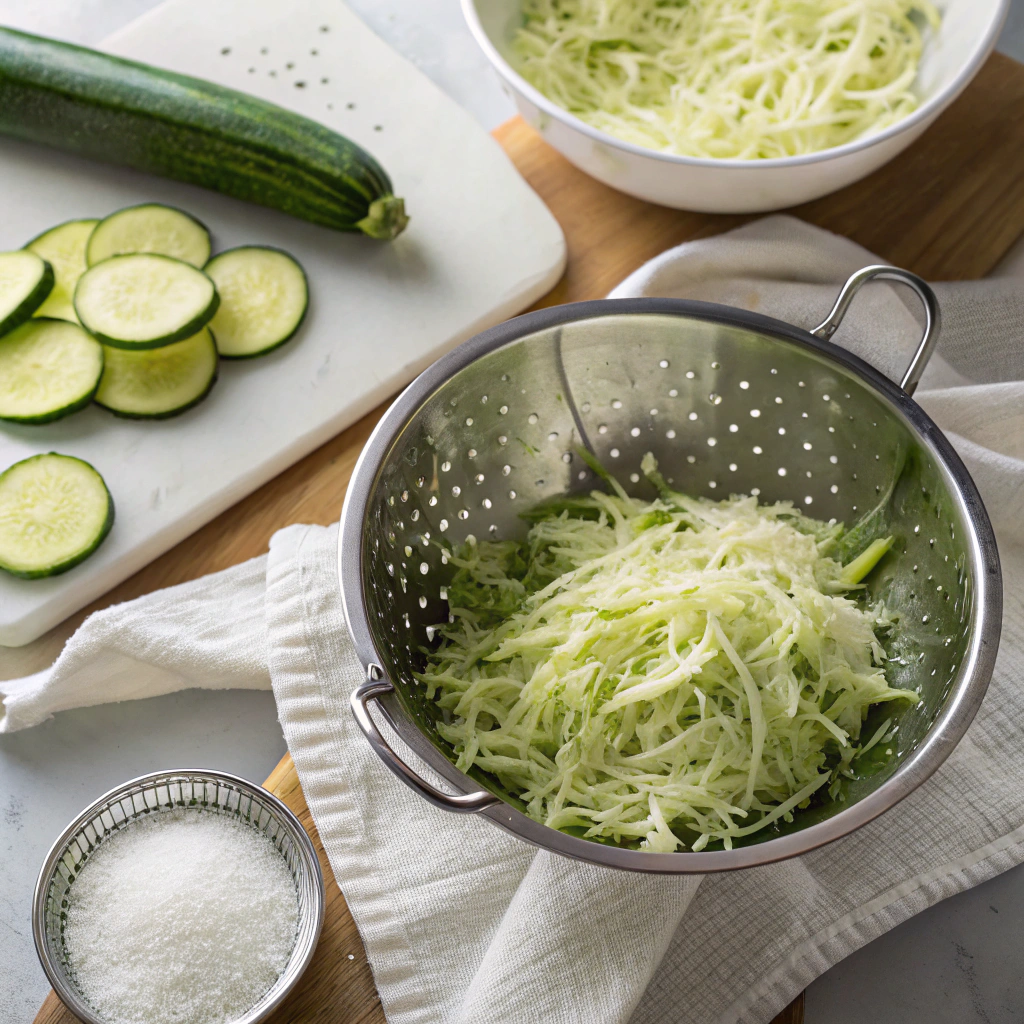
932	320
465	803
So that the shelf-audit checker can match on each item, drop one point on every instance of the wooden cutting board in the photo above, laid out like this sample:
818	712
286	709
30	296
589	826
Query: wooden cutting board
949	208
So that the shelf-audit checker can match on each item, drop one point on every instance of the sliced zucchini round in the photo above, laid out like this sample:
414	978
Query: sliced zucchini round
150	227
143	300
48	369
264	296
25	281
160	382
64	248
55	511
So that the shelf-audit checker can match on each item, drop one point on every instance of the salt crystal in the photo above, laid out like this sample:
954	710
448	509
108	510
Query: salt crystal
187	917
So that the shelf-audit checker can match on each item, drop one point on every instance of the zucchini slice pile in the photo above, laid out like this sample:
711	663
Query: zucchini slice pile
137	281
129	312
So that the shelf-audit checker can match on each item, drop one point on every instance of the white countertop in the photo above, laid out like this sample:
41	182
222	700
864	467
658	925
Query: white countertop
956	963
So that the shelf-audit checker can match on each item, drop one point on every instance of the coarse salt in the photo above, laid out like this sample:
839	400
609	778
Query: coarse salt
187	917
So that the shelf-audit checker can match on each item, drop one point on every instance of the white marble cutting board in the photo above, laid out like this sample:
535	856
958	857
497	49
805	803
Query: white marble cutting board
480	247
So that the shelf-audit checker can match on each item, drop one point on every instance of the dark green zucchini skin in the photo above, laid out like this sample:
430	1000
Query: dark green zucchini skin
122	112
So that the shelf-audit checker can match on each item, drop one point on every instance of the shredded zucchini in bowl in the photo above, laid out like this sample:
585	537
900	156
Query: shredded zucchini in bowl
663	674
727	79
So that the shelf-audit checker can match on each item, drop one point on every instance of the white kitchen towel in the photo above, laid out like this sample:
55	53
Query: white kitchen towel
206	633
462	922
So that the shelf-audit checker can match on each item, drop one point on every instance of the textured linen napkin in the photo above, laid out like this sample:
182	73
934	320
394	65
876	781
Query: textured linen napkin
462	922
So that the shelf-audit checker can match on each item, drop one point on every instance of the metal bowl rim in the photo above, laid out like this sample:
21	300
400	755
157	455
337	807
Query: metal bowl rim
67	995
966	693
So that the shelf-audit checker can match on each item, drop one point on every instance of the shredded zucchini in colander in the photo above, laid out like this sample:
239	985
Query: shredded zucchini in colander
735	79
663	674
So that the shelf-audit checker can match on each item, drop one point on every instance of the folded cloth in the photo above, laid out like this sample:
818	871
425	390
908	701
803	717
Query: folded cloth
464	923
205	633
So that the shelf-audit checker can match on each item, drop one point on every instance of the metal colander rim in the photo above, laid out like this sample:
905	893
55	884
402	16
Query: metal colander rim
949	726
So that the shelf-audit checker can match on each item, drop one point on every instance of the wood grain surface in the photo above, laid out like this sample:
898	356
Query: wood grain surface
949	208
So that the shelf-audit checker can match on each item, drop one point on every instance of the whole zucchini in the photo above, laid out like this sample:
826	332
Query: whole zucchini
122	112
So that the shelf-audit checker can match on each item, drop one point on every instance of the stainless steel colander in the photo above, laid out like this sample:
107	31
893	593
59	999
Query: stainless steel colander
729	402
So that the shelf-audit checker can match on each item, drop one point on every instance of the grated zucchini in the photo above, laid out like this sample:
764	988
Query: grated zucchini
665	674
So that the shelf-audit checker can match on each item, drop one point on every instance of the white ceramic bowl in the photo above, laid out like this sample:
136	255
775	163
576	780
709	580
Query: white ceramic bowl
952	58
